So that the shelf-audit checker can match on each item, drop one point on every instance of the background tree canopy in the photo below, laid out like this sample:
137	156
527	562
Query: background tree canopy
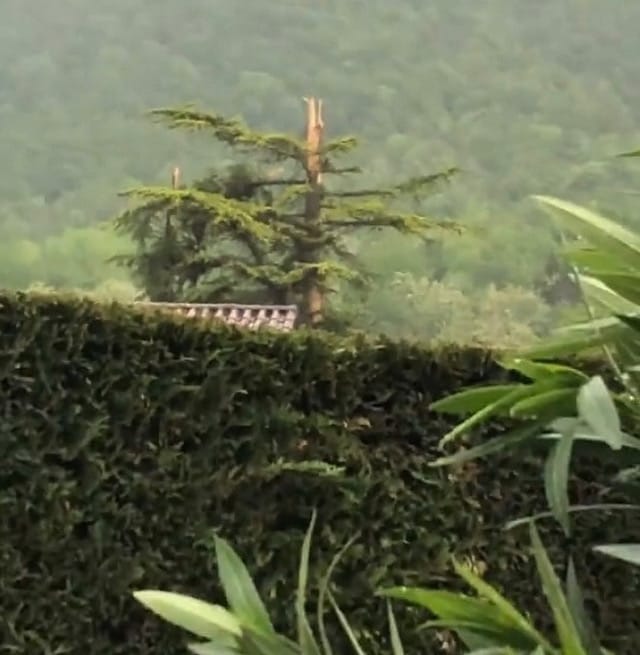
523	97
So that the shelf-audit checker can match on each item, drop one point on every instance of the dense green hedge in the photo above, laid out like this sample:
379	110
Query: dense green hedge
128	439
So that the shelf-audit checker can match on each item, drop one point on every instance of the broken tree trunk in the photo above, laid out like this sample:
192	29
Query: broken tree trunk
313	300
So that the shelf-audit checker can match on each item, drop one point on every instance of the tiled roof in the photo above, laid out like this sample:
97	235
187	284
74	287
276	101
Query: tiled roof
273	317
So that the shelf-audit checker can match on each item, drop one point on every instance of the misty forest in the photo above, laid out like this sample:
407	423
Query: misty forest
454	113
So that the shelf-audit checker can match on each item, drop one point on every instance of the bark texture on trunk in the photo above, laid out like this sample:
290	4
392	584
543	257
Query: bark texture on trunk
313	293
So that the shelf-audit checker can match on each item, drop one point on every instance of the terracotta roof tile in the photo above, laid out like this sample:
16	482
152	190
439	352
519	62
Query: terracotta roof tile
274	317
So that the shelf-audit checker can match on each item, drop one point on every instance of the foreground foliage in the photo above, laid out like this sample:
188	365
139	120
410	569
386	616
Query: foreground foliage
566	405
562	402
129	438
486	624
245	627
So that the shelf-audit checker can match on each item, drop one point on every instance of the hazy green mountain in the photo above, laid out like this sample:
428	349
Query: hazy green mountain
526	97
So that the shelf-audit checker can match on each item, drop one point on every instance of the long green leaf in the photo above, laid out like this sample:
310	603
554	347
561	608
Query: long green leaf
565	626
476	640
324	590
596	507
538	371
625	285
550	404
444	604
593	261
508	610
496	650
583	432
239	589
504	404
258	642
479	616
598	291
306	639
575	600
473	400
597	409
508	441
475	635
193	615
211	648
630	320
626	552
345	625
608	326
599	231
565	345
556	480
394	634
630	153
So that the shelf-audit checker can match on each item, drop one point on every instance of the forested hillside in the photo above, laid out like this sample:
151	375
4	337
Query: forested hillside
524	97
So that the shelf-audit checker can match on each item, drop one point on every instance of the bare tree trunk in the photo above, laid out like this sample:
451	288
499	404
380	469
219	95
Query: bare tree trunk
313	300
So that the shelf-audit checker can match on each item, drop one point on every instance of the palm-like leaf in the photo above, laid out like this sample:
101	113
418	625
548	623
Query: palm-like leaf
245	628
607	267
490	619
626	552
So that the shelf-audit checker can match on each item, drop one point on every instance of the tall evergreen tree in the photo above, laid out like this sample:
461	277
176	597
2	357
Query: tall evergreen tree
252	236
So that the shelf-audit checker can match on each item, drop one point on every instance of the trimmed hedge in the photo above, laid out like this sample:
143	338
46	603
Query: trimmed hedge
127	439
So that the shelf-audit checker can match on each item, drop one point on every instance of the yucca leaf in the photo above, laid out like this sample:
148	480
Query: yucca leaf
625	285
596	507
550	404
597	409
556	480
630	320
598	291
538	371
631	153
453	610
609	326
255	642
345	625
446	605
394	634
497	650
499	407
473	634
509	440
575	600
473	399
592	261
239	588
211	648
324	590
626	552
306	639
196	616
475	641
507	609
565	625
599	231
569	344
583	432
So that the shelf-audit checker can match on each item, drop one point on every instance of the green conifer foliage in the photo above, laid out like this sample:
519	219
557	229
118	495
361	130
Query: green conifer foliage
252	235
